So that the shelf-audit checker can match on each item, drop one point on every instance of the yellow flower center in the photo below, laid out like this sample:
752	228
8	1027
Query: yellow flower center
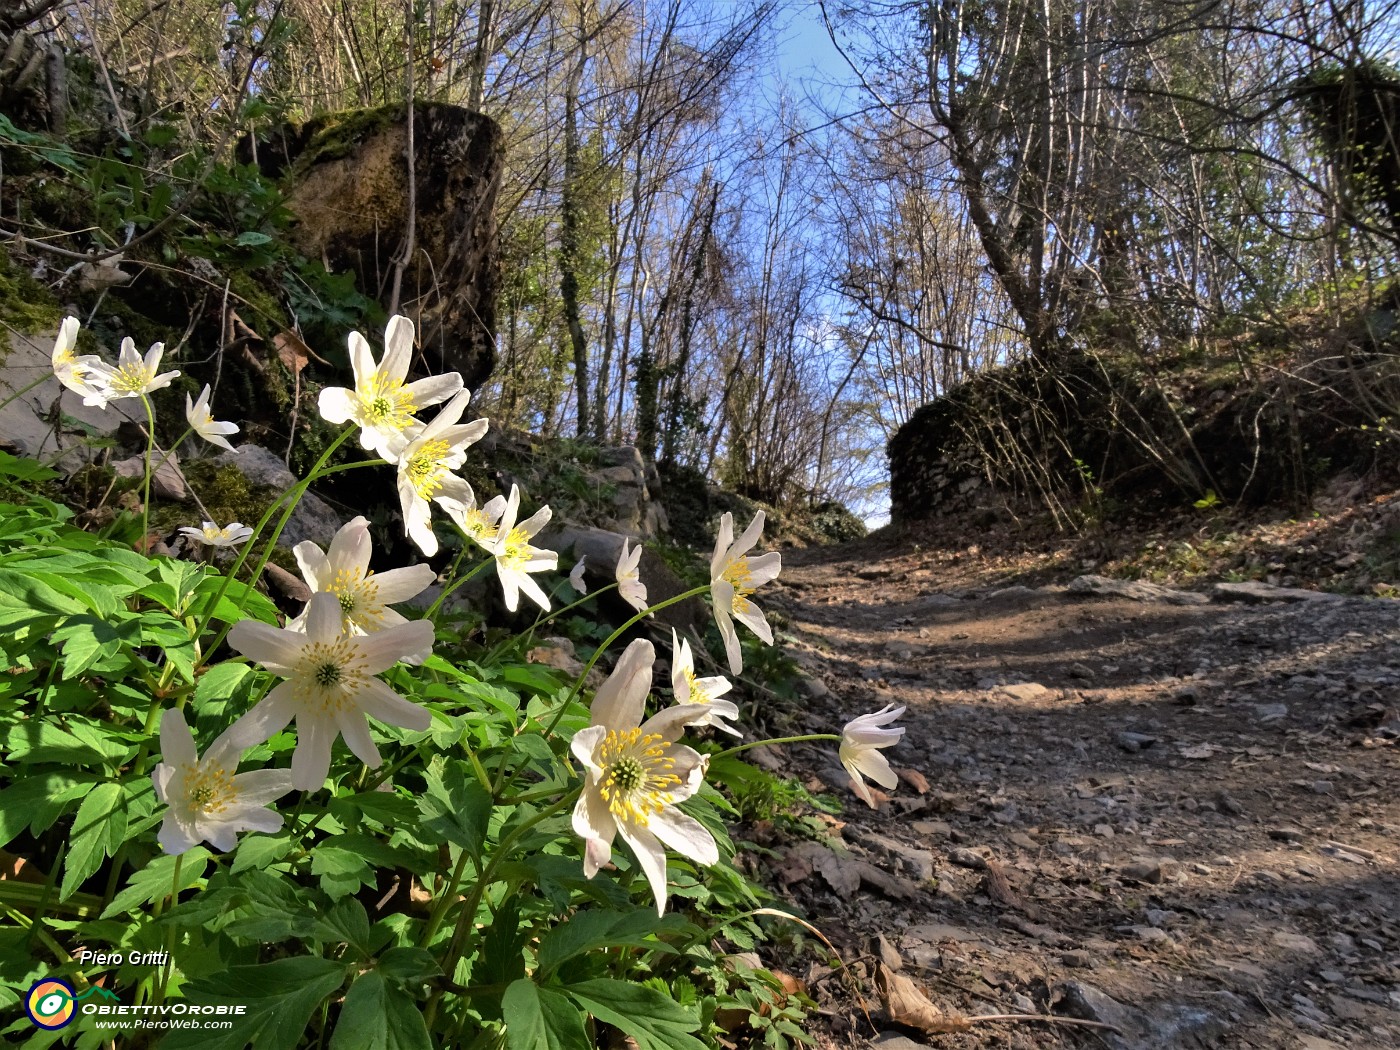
217	535
740	577
64	359
638	779
132	379
478	526
425	469
209	789
330	677
695	695
386	403
517	548
358	594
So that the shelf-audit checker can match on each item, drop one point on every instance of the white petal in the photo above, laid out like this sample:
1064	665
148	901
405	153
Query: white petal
315	566
722	543
175	836
764	568
434	389
399	585
361	362
176	740
350	547
336	404
355	730
311	761
594	823
398	348
652	856
264	720
684	834
385	648
585	744
751	616
379	701
325	620
620	700
258	787
276	649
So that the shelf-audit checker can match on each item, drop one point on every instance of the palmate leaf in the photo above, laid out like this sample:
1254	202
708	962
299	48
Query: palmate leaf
541	1019
588	931
280	996
155	880
378	1015
655	1021
98	830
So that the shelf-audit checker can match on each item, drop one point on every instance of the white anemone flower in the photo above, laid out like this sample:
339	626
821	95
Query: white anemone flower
516	558
634	774
330	686
733	577
382	404
860	739
482	523
201	421
576	580
87	375
700	695
135	375
364	596
208	801
212	535
629	581
426	457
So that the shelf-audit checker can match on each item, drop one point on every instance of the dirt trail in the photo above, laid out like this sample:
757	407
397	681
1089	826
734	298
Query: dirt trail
1180	820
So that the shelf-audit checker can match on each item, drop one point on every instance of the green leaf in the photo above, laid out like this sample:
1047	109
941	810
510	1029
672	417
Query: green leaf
588	931
252	239
37	800
98	830
221	682
455	807
655	1021
346	923
541	1019
88	640
258	851
154	880
280	996
377	1015
408	965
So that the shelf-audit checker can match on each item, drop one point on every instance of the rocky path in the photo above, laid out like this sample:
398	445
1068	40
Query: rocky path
1171	815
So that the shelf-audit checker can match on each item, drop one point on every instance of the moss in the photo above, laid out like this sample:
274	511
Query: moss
262	305
337	135
25	304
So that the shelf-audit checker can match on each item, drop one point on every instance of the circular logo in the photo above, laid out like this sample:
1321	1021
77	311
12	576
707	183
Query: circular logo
50	1003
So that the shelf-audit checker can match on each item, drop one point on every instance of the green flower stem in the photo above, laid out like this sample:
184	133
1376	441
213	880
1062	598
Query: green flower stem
146	493
161	907
694	592
25	389
530	796
444	902
502	781
473	902
291	497
776	740
541	620
432	612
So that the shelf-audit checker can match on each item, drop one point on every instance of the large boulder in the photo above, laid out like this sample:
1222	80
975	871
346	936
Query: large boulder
602	549
313	518
346	181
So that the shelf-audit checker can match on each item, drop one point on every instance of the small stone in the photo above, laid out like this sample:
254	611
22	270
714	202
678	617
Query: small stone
1229	803
888	955
1144	869
1103	831
966	858
1133	742
1286	834
1078	960
1025	691
1332	976
1295	942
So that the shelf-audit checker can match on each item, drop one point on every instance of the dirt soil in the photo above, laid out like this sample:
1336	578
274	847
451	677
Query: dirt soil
1179	823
